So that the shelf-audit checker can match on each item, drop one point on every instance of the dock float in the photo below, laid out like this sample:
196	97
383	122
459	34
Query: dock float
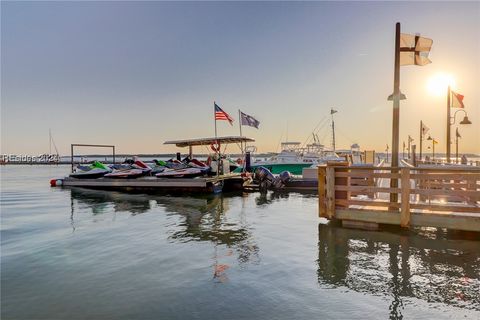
225	182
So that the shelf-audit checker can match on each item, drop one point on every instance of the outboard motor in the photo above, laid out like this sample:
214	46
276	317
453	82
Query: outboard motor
282	179
285	176
264	177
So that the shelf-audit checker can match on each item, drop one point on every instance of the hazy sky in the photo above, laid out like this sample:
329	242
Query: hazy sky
135	74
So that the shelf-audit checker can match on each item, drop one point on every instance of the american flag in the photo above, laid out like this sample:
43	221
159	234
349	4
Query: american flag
222	115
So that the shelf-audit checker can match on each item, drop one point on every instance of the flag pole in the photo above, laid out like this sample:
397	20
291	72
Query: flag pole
421	138
215	119
217	152
240	126
396	112
448	123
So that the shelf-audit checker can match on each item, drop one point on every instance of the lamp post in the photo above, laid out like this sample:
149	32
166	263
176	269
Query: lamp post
457	135
450	122
410	140
387	152
433	146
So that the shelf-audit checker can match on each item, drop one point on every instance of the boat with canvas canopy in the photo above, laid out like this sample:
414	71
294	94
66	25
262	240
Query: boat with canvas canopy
216	144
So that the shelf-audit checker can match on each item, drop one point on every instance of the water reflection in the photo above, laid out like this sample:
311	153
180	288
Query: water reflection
204	219
428	265
100	201
207	219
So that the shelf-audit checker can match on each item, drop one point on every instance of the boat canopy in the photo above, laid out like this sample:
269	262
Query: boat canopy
208	141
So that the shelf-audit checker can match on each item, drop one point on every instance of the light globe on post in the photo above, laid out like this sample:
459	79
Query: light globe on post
465	120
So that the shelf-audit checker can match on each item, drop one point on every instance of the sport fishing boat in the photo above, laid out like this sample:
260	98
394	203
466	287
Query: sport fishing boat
294	158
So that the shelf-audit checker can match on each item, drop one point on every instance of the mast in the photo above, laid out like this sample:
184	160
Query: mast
421	138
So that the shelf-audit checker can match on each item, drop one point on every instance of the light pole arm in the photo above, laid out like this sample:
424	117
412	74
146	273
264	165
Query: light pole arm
455	114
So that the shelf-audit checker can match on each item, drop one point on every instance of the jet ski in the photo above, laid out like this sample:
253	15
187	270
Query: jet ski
180	173
125	174
139	164
158	166
94	171
194	163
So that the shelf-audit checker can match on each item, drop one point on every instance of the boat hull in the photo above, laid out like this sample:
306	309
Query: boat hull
277	168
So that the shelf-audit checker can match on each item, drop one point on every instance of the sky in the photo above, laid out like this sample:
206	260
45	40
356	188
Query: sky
135	74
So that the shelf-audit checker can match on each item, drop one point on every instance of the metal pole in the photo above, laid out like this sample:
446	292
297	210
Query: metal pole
215	119
71	155
113	154
448	125
421	138
433	149
333	132
456	145
396	112
240	126
408	148
218	144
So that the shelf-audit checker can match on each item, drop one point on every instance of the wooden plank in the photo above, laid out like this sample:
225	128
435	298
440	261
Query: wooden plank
330	191
458	221
442	192
449	169
449	185
405	198
446	176
322	203
356	174
366	203
446	207
367	189
420	206
377	216
454	220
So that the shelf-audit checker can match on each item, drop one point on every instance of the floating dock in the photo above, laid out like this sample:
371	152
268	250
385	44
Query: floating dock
227	182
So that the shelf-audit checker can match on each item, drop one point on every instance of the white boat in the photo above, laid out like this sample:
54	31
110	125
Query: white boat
294	158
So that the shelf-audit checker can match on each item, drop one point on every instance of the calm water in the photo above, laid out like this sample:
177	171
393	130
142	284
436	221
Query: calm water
80	254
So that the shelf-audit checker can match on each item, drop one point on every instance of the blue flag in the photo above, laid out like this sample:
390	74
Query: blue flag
247	120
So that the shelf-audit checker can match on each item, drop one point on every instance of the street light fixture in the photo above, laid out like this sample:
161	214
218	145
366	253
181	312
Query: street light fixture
465	118
465	121
451	121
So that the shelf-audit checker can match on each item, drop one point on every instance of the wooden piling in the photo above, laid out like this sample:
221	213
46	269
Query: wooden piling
330	191
322	203
405	200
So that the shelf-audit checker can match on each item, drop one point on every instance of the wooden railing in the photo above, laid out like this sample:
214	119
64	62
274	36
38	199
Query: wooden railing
351	193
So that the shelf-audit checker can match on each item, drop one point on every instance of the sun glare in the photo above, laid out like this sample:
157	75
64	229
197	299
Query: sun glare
437	85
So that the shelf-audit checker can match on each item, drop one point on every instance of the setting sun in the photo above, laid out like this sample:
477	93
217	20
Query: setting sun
437	85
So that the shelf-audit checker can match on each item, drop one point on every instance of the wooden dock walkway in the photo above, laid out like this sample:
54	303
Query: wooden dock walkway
428	197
